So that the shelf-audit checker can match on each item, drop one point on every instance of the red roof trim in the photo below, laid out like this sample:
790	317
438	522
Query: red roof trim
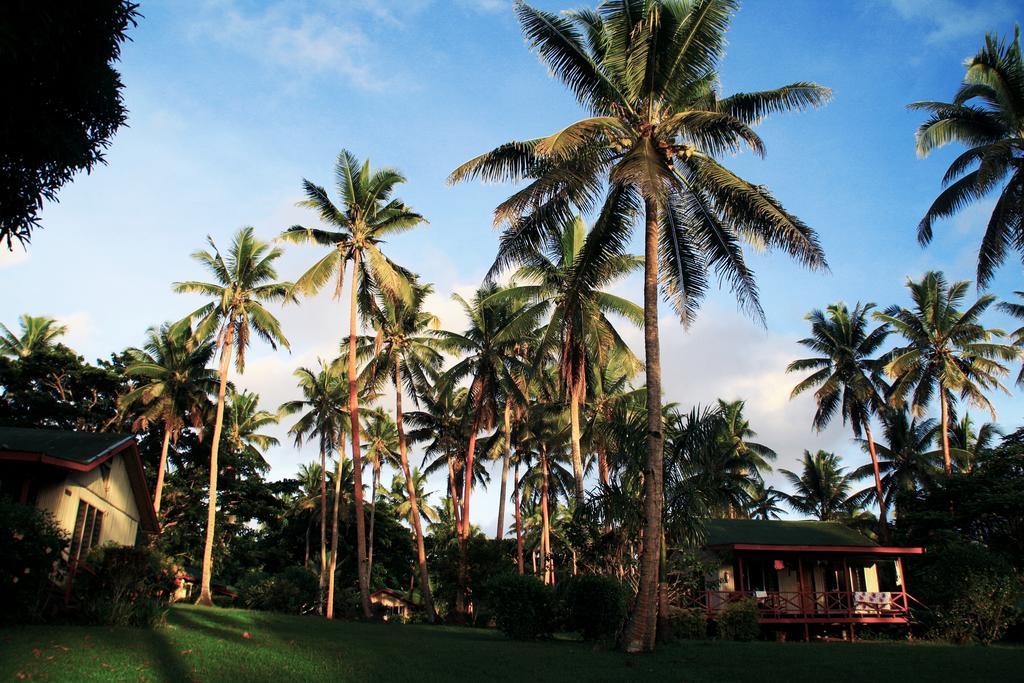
133	464
851	549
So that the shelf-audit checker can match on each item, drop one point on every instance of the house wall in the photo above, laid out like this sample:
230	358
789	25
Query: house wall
111	495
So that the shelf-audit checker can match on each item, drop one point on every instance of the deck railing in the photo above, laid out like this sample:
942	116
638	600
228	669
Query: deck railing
803	605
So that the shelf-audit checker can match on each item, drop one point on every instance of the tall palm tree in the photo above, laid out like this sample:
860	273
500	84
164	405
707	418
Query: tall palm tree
986	115
579	325
400	498
310	496
1015	310
381	448
324	402
609	387
646	73
36	332
947	350
173	385
490	359
844	375
244	281
967	443
408	356
764	502
907	459
733	439
368	214
822	489
243	420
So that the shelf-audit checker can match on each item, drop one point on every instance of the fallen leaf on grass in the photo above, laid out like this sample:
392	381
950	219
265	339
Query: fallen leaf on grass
187	652
21	675
61	647
50	658
245	634
36	652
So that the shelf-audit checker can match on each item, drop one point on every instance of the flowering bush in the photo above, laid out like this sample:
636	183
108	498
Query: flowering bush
30	551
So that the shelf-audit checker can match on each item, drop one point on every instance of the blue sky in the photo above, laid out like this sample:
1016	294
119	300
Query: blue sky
232	103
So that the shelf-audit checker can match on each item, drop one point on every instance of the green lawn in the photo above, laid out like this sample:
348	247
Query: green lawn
237	645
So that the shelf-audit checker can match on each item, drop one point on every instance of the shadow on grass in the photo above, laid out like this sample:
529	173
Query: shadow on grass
167	659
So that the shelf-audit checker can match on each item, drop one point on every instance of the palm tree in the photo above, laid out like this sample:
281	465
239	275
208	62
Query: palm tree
174	384
646	73
310	496
968	444
823	489
986	115
947	350
491	359
381	447
323	400
844	375
369	213
400	498
243	420
244	281
36	332
764	502
906	460
409	357
732	438
579	318
609	387
1015	310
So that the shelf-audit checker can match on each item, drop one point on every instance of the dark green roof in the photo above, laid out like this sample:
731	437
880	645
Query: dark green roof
80	447
779	532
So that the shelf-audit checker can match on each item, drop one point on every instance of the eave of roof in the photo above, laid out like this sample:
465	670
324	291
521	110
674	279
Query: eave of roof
842	549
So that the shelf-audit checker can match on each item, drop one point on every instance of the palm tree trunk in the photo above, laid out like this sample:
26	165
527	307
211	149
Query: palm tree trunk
453	494
883	519
947	463
640	630
664	626
577	456
334	529
545	537
309	529
504	470
602	467
205	596
467	484
323	525
158	494
519	520
357	456
373	517
414	508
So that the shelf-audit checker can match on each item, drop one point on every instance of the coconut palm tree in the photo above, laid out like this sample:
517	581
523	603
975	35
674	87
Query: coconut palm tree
400	498
368	214
36	332
986	115
967	444
947	350
579	325
645	71
1015	310
822	489
309	497
907	459
408	356
844	375
608	388
732	438
243	419
380	448
173	385
324	419
764	502
244	281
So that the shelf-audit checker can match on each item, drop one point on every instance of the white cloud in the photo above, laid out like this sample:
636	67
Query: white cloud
13	256
81	329
952	19
286	35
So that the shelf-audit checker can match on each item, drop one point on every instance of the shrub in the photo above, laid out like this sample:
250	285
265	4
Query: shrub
595	606
30	550
523	606
738	620
688	624
972	594
124	586
293	591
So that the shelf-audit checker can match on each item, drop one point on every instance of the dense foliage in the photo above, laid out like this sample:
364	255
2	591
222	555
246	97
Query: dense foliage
738	620
30	548
124	586
57	63
594	605
524	608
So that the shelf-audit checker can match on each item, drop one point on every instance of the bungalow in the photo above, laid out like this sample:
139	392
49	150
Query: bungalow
93	484
391	603
806	574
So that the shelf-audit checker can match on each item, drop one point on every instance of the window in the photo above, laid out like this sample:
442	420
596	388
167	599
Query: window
87	530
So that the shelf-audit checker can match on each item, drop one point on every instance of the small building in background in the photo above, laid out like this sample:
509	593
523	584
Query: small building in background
92	483
391	604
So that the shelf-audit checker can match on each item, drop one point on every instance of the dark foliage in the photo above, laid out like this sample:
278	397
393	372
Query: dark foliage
124	586
738	621
523	606
293	591
63	99
688	624
594	605
30	551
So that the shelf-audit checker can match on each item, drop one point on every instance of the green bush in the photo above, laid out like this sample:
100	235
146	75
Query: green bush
688	624
293	591
595	606
972	594
30	550
124	586
738	621
523	606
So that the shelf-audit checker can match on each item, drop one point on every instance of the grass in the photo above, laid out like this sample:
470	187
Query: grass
238	645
